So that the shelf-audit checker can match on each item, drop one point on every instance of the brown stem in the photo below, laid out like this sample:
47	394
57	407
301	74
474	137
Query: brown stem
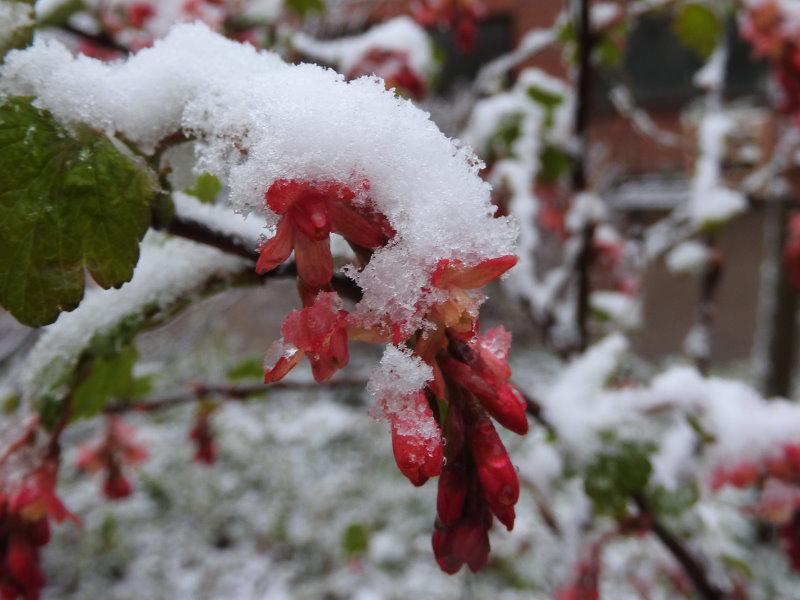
197	391
584	268
694	570
534	408
586	41
101	39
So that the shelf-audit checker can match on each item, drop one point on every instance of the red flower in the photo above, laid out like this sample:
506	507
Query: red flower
742	475
459	14
116	449
393	67
416	440
24	528
319	332
37	499
310	211
139	13
203	437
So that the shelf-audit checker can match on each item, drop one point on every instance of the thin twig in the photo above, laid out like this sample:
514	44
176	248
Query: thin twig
694	570
198	391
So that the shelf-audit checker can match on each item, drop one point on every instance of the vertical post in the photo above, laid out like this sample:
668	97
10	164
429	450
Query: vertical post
585	44
776	345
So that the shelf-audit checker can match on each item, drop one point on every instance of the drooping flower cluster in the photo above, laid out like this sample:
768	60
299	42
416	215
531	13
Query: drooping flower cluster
25	514
116	449
461	16
778	480
468	384
772	28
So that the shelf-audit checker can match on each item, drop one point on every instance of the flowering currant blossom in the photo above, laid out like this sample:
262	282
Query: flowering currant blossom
116	449
24	528
778	480
772	30
460	15
319	332
394	68
310	211
469	372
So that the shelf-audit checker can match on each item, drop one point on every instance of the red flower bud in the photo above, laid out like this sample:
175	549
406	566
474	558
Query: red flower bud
22	561
418	454
452	493
496	473
116	485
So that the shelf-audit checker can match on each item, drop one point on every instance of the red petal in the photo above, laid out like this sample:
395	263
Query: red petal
310	216
314	260
356	227
418	455
22	561
283	193
452	493
336	356
117	486
277	249
281	357
473	539
444	551
451	273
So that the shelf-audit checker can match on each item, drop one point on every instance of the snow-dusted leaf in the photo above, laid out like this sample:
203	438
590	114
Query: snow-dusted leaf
66	202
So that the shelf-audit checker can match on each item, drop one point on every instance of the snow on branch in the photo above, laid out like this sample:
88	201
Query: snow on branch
168	272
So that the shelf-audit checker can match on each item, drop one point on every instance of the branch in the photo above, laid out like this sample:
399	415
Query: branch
534	408
695	571
198	391
101	39
586	41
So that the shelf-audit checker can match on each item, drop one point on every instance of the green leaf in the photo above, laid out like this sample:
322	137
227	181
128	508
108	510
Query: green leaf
697	27
500	145
554	164
672	503
205	188
355	539
109	379
305	7
60	14
548	100
66	202
10	404
734	564
609	51
616	474
252	368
